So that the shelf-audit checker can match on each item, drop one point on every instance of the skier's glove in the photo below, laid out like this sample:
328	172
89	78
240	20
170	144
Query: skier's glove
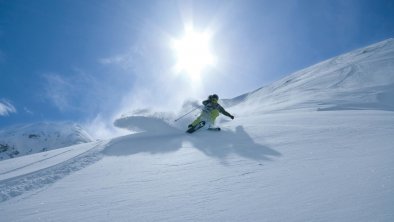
232	117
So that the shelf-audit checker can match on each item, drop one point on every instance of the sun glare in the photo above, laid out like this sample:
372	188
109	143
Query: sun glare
193	53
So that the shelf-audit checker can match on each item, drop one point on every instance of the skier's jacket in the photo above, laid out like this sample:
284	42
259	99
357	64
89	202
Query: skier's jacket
209	106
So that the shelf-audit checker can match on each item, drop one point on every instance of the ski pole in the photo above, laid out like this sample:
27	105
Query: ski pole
185	114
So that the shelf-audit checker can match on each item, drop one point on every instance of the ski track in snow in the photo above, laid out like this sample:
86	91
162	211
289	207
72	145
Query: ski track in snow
33	163
18	185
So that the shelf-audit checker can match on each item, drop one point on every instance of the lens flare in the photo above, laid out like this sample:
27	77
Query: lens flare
193	53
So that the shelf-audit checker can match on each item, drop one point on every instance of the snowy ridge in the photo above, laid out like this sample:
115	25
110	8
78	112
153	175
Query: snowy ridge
38	137
361	79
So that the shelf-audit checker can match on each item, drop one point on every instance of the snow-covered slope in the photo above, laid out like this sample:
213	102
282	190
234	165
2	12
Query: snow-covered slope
361	79
38	137
315	146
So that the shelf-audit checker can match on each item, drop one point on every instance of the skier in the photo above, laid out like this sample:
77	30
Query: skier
209	113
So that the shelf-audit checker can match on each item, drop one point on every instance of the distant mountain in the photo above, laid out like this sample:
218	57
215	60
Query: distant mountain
38	137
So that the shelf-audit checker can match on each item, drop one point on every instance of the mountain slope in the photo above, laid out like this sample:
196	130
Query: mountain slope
288	159
361	79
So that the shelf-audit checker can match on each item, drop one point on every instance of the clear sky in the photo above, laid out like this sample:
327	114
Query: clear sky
89	60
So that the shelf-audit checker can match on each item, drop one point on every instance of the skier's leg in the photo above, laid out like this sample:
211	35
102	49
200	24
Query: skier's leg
197	121
213	115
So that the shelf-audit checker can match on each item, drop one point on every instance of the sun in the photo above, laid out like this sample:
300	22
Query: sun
193	53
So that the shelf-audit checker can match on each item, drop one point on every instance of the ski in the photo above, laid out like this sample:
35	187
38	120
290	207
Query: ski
214	129
196	127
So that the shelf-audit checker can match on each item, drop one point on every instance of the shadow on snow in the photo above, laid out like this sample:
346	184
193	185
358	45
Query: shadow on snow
169	139
223	143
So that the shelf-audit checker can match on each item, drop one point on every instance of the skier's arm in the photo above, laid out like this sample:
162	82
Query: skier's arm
224	112
205	102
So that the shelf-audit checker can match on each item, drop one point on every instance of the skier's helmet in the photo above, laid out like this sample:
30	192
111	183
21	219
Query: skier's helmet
214	98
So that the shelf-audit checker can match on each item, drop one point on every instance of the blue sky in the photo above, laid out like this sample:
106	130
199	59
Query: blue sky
85	60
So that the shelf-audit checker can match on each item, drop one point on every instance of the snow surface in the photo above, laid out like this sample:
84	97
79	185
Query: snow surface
315	146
